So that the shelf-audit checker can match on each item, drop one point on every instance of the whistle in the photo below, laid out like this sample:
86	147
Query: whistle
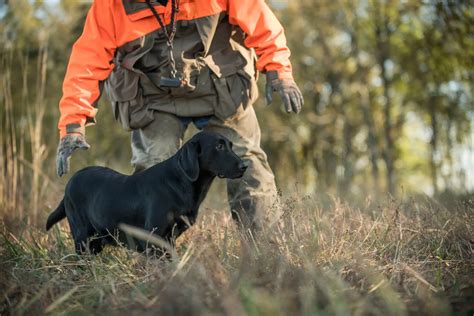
170	82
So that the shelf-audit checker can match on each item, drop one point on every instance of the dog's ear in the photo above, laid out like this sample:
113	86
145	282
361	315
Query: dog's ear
188	160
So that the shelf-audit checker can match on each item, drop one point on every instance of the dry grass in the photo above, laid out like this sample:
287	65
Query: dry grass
318	258
336	260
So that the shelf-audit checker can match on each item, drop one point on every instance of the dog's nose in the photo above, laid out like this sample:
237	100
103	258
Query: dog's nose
243	166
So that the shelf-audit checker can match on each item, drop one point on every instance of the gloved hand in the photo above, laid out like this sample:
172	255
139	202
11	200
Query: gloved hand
67	145
288	90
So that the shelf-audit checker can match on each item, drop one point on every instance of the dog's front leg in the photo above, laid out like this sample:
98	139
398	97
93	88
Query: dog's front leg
182	224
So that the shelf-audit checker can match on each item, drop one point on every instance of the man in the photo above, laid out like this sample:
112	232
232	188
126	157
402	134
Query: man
166	64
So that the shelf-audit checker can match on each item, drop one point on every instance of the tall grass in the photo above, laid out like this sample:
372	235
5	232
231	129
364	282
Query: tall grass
315	260
35	117
23	182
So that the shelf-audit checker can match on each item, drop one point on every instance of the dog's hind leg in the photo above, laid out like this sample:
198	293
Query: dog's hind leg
80	242
81	229
96	245
84	241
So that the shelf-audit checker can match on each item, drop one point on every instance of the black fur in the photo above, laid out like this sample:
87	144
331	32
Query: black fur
58	214
98	199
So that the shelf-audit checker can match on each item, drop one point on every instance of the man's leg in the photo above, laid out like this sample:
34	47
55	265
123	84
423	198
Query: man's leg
252	196
157	141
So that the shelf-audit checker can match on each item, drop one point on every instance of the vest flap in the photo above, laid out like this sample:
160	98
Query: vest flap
207	29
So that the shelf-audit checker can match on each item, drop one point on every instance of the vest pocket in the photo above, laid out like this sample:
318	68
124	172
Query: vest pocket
132	114
225	106
127	100
122	84
233	94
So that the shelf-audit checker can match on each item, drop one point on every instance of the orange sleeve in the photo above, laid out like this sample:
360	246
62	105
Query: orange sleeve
264	33
89	64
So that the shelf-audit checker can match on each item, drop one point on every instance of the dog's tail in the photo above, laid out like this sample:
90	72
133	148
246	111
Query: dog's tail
58	214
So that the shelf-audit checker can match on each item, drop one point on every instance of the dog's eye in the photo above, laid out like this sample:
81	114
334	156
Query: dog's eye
220	146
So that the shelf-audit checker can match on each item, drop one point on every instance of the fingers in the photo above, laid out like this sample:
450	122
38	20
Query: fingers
65	164
285	98
295	102
269	94
83	145
298	101
62	163
59	167
292	101
300	96
290	96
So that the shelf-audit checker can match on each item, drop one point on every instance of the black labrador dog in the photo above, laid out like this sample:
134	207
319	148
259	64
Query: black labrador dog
163	199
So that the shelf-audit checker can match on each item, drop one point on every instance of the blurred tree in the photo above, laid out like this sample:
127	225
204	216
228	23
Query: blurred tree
367	67
388	89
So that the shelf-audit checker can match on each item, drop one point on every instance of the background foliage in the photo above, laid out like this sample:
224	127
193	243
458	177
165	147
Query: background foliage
388	115
388	88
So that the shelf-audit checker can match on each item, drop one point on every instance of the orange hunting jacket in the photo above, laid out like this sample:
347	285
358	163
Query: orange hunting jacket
110	25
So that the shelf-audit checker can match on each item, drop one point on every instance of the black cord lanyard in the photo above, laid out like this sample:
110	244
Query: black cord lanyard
172	82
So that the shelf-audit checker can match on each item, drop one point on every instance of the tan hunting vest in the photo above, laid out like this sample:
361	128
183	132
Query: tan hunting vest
218	71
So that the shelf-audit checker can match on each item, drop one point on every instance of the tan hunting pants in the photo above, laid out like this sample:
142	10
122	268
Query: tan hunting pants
250	197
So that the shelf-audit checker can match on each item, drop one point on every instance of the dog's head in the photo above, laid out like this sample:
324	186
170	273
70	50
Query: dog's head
213	153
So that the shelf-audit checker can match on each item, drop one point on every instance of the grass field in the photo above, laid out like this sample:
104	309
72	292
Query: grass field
382	259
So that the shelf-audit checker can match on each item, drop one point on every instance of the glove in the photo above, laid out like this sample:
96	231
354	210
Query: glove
67	145
288	90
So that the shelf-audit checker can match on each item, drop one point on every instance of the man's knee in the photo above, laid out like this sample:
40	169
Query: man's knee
156	142
156	153
254	196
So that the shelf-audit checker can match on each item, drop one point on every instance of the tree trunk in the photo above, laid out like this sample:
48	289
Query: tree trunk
433	144
371	139
364	97
382	38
